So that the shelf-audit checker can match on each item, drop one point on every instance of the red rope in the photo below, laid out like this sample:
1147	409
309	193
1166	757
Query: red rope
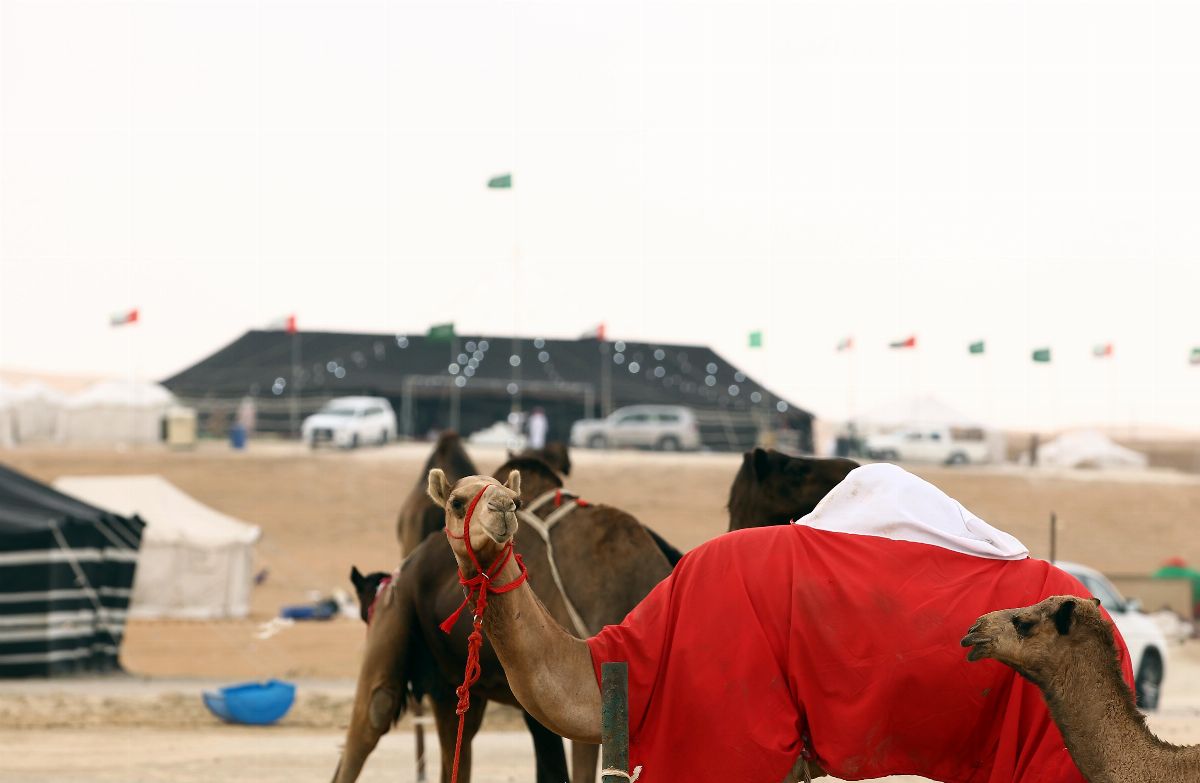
478	588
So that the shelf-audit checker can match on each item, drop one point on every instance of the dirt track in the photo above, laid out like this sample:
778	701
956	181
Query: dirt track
321	513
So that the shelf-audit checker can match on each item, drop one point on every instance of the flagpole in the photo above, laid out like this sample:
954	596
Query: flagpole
294	406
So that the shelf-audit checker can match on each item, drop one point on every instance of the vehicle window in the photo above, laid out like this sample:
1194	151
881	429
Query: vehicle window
1110	599
912	436
669	417
935	436
633	418
337	410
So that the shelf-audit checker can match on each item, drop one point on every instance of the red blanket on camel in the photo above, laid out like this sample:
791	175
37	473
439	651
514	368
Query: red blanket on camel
761	635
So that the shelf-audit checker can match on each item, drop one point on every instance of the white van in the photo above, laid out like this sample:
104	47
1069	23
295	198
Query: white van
944	445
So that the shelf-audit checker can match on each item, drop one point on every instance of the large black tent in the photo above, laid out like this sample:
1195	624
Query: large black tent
66	570
471	381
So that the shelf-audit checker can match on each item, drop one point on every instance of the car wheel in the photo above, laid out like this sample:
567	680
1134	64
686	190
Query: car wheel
354	441
597	442
889	455
1149	680
383	436
957	458
669	443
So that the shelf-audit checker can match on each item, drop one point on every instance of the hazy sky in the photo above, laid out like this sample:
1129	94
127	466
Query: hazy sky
1022	172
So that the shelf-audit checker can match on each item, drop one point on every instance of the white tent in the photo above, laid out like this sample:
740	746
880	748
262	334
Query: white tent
195	562
37	409
7	423
115	412
1089	449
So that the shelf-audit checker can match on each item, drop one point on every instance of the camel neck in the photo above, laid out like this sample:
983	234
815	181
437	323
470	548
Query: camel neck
1105	733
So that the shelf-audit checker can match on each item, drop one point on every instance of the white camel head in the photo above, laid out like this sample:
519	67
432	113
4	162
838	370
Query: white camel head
494	519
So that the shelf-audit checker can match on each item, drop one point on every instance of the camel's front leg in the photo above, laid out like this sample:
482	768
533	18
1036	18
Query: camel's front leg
447	728
583	762
797	773
547	752
371	718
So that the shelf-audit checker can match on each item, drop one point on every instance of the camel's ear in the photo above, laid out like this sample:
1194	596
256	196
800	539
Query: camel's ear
439	487
1064	617
762	463
1096	601
514	481
357	579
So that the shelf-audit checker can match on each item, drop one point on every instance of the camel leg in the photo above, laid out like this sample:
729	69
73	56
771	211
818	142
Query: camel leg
381	691
584	757
548	751
447	728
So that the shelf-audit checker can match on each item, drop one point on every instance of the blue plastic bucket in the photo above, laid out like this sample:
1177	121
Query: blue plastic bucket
253	703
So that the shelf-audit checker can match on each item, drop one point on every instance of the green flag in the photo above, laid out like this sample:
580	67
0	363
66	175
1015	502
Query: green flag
501	182
441	332
976	347
756	339
1195	357
1041	355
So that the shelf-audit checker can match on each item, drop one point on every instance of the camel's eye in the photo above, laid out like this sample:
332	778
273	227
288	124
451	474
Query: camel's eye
1023	627
458	504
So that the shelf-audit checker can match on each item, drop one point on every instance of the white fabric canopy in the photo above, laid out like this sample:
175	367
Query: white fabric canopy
115	412
1089	449
195	561
887	501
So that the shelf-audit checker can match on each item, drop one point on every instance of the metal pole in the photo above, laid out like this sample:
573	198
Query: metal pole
614	720
294	412
455	403
605	381
418	709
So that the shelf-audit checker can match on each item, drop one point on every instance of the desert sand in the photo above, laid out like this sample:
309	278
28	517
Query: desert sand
322	512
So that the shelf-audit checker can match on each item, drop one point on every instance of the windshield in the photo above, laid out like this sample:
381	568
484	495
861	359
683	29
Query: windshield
337	410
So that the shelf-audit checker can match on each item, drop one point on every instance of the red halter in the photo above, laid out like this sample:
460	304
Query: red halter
478	588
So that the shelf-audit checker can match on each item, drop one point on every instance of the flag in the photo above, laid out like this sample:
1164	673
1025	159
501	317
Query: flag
1195	357
1102	351
756	340
976	347
501	182
440	332
845	344
122	318
1041	355
908	342
285	324
595	333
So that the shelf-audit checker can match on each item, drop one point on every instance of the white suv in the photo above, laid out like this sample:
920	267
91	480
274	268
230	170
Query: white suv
350	422
929	444
662	427
1147	645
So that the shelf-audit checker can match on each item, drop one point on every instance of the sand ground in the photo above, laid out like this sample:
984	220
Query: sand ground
322	512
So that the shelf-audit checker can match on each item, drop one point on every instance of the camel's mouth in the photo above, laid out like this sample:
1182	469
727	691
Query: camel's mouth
978	644
502	526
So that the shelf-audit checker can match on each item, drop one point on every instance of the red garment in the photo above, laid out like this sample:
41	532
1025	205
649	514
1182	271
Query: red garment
760	629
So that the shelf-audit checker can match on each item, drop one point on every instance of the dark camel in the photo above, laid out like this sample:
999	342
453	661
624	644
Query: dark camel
418	515
608	562
772	488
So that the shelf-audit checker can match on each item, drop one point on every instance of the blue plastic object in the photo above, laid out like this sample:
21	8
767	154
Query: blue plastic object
237	436
254	703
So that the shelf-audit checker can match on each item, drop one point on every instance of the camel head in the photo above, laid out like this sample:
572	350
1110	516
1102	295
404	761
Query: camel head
494	521
1040	640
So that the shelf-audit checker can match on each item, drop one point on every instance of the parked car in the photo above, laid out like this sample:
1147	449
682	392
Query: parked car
945	445
1147	645
662	427
350	422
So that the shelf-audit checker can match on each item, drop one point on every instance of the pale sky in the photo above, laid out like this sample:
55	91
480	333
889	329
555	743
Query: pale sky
1022	172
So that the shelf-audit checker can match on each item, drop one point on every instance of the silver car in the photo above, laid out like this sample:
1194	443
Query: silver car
662	427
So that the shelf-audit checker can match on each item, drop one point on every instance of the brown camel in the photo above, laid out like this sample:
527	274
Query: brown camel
555	454
1065	646
607	562
772	488
418	516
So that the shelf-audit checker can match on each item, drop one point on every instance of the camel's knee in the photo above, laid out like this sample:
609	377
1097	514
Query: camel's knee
383	709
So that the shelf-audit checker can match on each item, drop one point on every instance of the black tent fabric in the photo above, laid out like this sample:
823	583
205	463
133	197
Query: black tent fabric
66	574
571	379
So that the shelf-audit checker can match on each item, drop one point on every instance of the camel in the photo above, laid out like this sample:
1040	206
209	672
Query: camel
418	517
1064	645
608	562
772	488
555	454
765	628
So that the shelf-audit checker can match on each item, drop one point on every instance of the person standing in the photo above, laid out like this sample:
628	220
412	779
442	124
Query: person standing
539	426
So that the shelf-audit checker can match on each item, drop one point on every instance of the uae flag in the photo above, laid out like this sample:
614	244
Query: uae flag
846	344
908	342
595	333
897	572
124	317
1102	350
284	324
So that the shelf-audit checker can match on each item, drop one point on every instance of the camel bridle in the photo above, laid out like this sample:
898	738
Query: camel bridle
477	587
